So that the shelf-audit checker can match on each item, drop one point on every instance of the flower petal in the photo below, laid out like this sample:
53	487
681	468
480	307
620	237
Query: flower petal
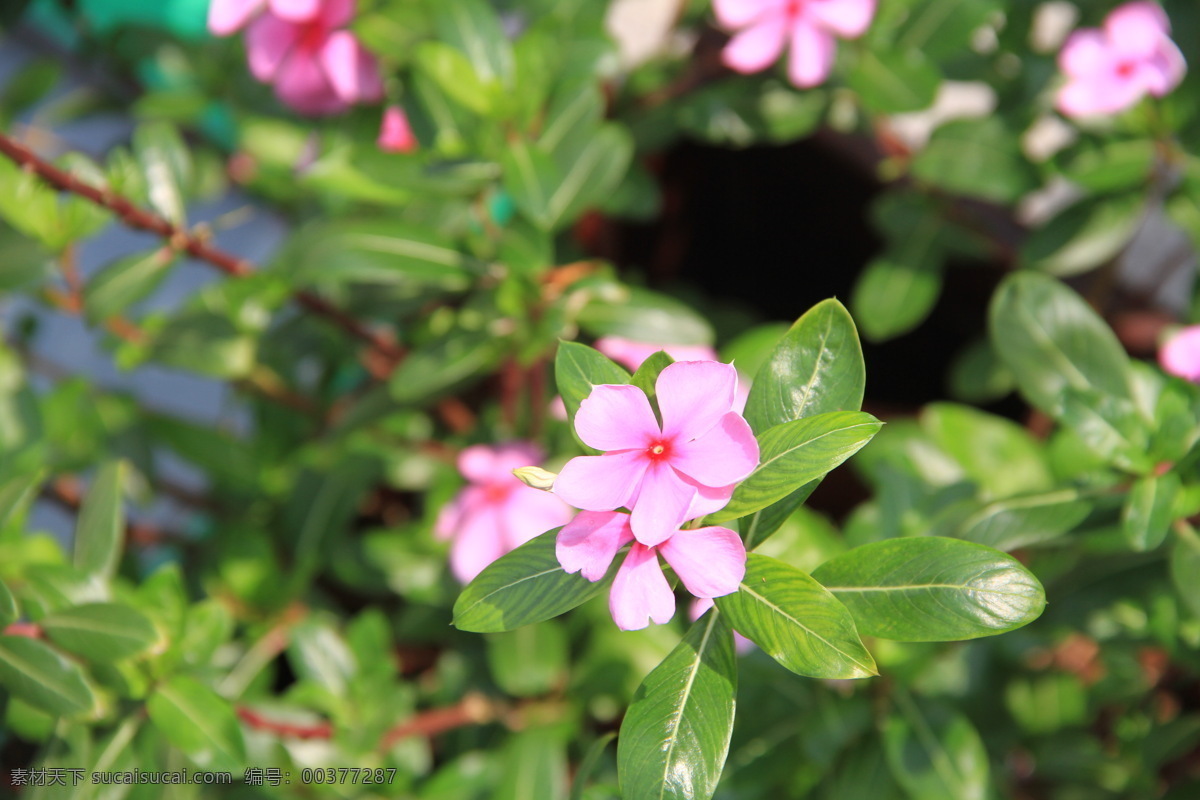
1085	53
302	84
726	454
711	562
483	464
661	504
1105	94
351	70
740	13
336	13
450	517
693	396
1180	355
601	483
476	544
811	56
616	418
758	46
395	134
588	543
295	10
1169	66
847	18
640	591
268	42
707	498
227	16
632	353
527	513
1135	29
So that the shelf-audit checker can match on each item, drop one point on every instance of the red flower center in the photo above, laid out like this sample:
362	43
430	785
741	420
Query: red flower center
1126	68
496	492
793	8
659	450
313	35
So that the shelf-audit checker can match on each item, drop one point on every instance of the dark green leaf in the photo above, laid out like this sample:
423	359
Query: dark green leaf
376	251
942	29
757	527
1113	166
1150	510
1085	235
535	765
890	81
125	282
206	342
589	174
646	376
1026	520
675	736
976	158
796	621
931	589
527	585
935	754
34	673
100	532
578	368
433	369
795	453
588	765
895	293
100	631
199	722
1185	566
529	661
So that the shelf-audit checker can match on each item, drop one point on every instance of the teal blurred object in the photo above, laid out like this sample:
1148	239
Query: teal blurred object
187	19
501	207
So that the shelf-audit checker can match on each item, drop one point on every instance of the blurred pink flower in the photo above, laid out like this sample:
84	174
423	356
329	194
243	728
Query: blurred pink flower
700	606
632	353
395	135
495	512
682	470
298	46
710	562
1180	354
1109	69
810	26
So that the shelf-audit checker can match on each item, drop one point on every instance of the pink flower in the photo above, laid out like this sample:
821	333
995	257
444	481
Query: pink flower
1180	355
395	135
1110	69
631	353
700	606
710	562
298	46
496	512
810	25
682	470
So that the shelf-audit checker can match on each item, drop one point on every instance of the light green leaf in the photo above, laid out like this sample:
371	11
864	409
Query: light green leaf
125	282
996	453
890	81
896	292
1185	566
535	765
10	612
795	453
167	165
1150	510
452	72
15	495
100	532
206	342
529	661
435	368
643	315
1114	165
931	589
473	28
101	631
1051	341
527	585
590	173
318	654
376	251
976	157
34	673
199	722
935	754
1085	235
796	621
530	176
675	737
1025	520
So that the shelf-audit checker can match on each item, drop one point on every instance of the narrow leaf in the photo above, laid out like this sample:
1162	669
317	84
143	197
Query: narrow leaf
1149	510
34	673
934	753
199	722
931	589
100	631
100	531
10	612
1027	520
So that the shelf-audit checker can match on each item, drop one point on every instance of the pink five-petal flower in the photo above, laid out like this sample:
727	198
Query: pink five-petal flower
632	354
395	134
710	562
1180	354
1109	69
495	512
662	473
807	27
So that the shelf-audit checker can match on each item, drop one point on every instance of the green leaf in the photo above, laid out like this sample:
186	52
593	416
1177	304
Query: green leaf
578	368
452	72
527	585
530	176
167	165
23	260
10	612
529	661
896	292
125	282
1085	235
474	29
996	453
435	368
1185	566
1114	166
757	527
535	765
976	157
797	452
890	81
1110	427
318	654
935	754
816	368
376	251
675	737
977	375
646	376
199	722
1026	520
206	342
101	631
100	532
796	621
588	765
643	315
931	589
15	495
590	173
942	29
34	673
1052	341
1150	510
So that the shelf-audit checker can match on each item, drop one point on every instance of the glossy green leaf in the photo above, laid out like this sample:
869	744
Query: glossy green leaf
100	631
530	176
643	315
646	376
1025	520
890	81
473	28
100	532
526	585
1051	341
39	676
206	342
125	282
816	368
935	754
977	157
10	612
896	292
1085	235
1111	427
578	368
166	163
1149	510
529	661
795	453
452	72
796	621
932	589
996	453
376	251
199	722
675	736
1185	566
534	765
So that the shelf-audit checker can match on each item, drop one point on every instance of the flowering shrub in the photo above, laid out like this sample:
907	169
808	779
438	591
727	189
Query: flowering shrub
379	378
